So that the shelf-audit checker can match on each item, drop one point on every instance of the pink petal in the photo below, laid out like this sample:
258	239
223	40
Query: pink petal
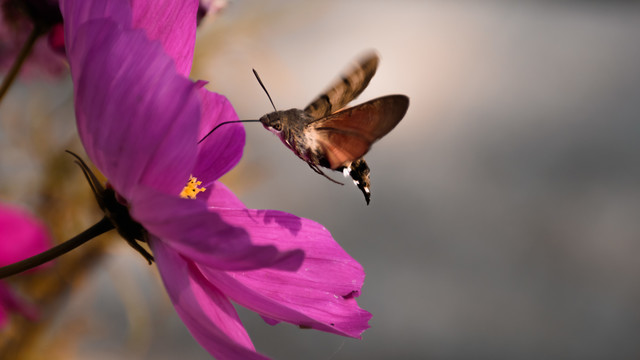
320	294
171	22
221	150
21	235
210	7
200	235
137	117
221	197
206	311
55	39
78	12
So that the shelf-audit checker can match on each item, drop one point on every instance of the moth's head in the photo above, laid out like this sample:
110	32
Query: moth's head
272	122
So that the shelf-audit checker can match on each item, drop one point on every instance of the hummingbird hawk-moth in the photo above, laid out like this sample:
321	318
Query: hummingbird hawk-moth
326	135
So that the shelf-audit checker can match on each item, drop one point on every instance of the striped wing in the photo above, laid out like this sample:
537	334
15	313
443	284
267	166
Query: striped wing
345	89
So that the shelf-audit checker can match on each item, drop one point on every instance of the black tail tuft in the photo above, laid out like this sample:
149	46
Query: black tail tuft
359	172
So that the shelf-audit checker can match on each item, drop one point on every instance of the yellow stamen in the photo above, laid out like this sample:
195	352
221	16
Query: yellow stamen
191	190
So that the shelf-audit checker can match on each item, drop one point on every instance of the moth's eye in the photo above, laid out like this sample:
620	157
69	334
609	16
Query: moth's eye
277	126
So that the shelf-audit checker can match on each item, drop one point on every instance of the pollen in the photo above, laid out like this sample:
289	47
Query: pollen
191	190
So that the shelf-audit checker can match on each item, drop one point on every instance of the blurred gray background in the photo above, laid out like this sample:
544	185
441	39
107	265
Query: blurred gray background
504	221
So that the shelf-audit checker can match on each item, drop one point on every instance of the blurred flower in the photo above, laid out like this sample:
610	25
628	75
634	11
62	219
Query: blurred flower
209	7
21	236
18	18
139	118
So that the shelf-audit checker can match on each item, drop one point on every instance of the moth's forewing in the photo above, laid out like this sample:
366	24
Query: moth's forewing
348	134
345	89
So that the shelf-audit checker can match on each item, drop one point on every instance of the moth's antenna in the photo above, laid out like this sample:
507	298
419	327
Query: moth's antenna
224	123
238	121
264	88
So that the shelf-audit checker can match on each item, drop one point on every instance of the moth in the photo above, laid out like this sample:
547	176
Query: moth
325	135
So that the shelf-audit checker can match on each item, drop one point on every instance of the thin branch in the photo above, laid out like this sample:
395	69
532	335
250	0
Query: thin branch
17	64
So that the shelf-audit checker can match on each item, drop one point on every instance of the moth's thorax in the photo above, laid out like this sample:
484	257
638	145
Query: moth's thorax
291	118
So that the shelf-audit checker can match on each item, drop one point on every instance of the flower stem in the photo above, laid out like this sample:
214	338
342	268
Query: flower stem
17	64
99	228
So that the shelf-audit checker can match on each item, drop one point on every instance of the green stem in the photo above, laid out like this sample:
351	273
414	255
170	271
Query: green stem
17	64
99	228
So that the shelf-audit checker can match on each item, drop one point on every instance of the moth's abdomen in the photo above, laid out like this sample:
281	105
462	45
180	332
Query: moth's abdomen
359	172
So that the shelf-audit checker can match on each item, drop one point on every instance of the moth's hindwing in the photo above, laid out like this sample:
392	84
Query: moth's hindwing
345	89
348	134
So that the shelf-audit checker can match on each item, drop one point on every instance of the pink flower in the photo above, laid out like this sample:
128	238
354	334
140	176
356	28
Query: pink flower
21	236
139	118
17	19
209	8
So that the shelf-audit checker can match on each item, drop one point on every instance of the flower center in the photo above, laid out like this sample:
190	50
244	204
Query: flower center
116	210
191	190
